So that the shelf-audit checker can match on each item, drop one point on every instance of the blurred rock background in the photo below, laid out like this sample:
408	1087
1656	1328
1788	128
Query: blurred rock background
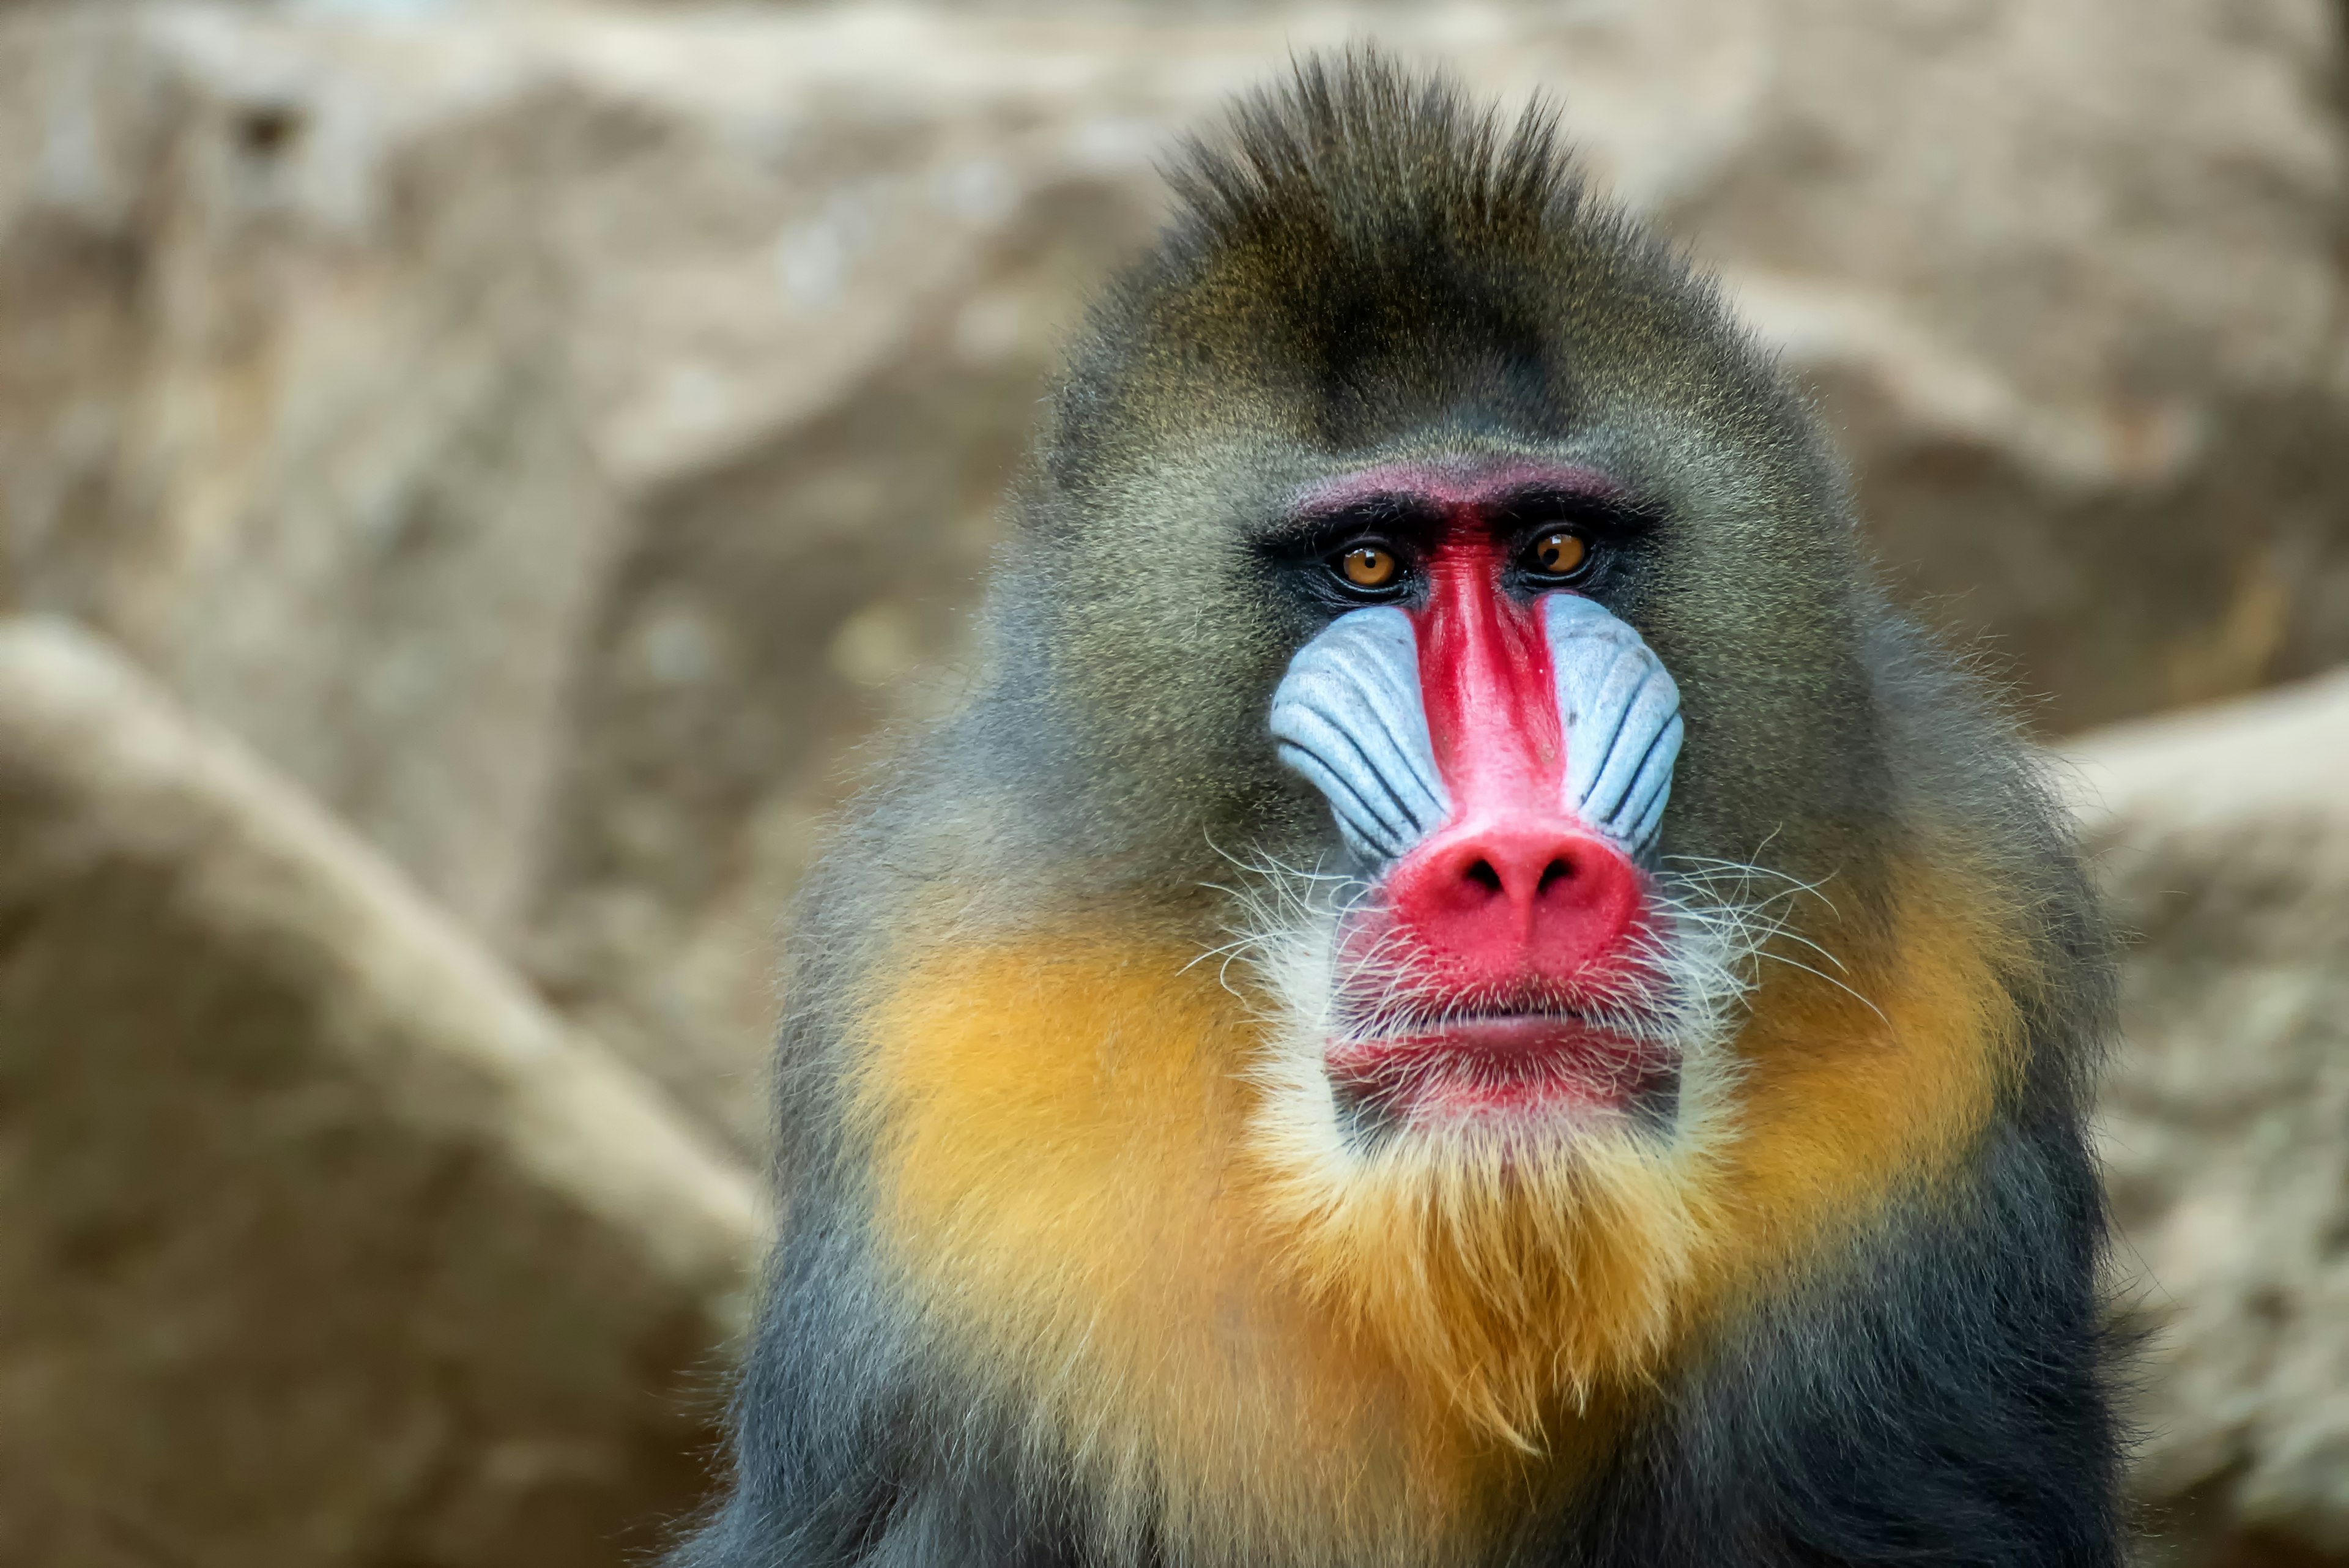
476	479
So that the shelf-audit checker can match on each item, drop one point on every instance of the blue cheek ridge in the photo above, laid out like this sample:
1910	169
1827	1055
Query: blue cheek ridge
1622	714
1347	716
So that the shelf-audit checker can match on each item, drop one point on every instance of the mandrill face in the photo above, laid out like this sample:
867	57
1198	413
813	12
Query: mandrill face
1464	574
1509	637
1496	748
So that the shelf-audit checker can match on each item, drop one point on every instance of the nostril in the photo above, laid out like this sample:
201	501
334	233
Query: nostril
1504	898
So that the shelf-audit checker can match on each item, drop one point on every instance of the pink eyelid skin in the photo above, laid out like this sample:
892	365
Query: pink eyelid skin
1459	487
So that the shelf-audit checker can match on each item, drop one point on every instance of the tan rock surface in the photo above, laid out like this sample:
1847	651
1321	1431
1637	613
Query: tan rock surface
2224	844
321	1239
287	407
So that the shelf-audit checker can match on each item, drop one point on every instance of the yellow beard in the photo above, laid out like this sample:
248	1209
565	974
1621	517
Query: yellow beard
1094	1169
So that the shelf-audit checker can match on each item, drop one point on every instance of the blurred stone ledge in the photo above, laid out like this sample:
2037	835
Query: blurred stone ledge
2222	841
321	1239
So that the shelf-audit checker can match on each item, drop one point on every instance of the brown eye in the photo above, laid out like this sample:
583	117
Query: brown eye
1369	567
1561	554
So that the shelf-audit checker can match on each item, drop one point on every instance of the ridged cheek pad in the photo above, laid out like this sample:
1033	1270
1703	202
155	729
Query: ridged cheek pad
1349	717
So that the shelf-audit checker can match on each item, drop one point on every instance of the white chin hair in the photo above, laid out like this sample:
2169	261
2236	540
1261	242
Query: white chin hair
1706	934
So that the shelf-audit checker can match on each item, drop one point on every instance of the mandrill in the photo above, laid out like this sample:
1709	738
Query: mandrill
1461	991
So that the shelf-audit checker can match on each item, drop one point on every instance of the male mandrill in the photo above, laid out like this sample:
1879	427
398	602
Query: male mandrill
1462	992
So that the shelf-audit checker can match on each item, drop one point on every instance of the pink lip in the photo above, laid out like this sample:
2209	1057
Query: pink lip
1475	1068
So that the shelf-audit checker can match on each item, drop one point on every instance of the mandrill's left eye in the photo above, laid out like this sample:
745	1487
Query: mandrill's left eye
1561	553
1369	567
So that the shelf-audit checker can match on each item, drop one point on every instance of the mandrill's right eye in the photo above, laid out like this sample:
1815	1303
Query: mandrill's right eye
1369	568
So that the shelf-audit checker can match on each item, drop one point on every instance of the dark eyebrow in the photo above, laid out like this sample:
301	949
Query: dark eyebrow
1611	508
1380	511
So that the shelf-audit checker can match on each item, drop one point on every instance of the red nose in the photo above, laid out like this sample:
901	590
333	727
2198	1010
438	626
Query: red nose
1509	896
